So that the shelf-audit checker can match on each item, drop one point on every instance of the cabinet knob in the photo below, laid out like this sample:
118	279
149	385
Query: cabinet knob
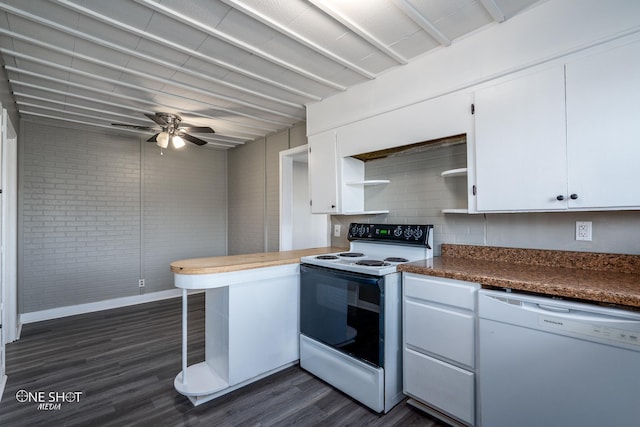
333	206
574	196
560	197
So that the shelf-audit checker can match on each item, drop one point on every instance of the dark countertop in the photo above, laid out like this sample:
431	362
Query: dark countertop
595	277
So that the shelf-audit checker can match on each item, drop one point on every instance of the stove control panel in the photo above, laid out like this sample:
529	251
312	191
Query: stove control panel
391	233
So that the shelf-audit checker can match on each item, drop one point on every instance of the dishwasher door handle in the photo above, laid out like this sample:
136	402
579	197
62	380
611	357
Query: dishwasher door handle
554	309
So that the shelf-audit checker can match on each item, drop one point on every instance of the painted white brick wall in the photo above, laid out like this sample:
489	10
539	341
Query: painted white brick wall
80	218
254	191
275	144
247	198
97	214
184	207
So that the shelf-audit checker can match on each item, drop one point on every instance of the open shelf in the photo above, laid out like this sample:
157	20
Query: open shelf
369	182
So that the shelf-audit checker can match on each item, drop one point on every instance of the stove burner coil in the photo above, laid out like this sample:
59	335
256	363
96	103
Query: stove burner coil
327	257
396	259
352	254
372	263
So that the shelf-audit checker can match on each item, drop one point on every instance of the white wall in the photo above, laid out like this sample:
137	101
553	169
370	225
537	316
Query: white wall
254	191
545	32
98	212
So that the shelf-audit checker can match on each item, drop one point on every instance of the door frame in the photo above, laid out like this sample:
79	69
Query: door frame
287	158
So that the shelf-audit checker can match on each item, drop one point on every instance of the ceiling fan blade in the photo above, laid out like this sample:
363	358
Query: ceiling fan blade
192	138
125	125
153	138
197	129
158	119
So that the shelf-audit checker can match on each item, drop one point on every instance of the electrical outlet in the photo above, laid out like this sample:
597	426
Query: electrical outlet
336	230
583	230
141	283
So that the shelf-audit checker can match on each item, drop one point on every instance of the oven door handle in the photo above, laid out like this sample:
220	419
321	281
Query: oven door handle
360	278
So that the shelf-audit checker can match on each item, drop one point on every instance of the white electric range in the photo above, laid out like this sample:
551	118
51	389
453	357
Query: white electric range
351	311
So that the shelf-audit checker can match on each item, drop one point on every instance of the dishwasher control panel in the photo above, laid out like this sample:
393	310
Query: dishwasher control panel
593	330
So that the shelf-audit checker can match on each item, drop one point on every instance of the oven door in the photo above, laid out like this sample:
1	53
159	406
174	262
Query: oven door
343	310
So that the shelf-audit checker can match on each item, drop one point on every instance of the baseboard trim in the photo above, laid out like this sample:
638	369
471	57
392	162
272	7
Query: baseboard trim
55	313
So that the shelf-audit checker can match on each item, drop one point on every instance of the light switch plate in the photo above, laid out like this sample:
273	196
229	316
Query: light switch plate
583	230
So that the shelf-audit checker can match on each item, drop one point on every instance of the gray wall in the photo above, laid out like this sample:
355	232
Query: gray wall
417	194
254	191
98	212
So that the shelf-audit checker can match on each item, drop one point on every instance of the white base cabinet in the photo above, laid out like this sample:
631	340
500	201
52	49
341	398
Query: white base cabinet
439	330
251	329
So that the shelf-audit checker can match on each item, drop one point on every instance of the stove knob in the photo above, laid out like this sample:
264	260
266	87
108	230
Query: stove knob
408	233
397	232
418	234
354	230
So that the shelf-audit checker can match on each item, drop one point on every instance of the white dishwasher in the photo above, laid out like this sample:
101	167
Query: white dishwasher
548	362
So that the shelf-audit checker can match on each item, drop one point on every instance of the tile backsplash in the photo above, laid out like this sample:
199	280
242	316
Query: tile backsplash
417	193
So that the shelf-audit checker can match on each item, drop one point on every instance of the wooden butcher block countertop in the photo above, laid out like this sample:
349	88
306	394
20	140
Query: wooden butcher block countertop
225	264
595	277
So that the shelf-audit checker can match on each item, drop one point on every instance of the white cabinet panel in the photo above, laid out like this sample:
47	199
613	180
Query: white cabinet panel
441	290
439	325
443	386
454	342
323	173
603	128
263	326
520	143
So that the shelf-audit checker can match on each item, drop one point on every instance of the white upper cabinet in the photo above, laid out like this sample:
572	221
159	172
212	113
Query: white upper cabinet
566	137
520	143
323	173
603	129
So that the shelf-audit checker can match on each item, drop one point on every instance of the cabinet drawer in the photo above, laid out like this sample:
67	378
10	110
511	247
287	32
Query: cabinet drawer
440	385
445	333
444	291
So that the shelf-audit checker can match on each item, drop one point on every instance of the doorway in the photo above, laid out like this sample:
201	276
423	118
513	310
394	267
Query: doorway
8	238
299	228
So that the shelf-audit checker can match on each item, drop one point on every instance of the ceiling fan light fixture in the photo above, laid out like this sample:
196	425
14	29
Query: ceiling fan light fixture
177	141
162	140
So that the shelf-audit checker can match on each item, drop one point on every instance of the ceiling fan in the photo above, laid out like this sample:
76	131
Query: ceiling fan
170	130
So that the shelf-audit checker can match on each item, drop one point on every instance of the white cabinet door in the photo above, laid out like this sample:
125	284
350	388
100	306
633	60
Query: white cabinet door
520	143
323	173
603	129
440	385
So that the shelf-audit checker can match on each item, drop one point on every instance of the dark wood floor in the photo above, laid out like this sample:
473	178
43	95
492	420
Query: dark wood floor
124	361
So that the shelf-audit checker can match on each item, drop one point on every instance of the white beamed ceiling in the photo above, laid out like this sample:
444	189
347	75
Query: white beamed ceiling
246	68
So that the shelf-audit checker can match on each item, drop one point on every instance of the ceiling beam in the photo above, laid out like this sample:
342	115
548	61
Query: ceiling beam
223	144
138	110
494	10
147	90
148	58
180	48
144	76
422	22
357	29
253	50
100	91
288	32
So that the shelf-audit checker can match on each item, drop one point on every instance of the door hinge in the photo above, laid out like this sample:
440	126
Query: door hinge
473	108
